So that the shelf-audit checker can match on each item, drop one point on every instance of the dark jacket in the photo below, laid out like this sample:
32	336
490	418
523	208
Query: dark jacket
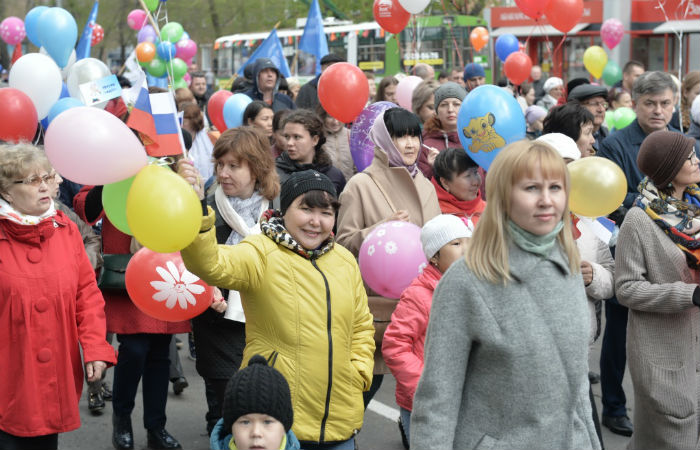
286	167
279	101
600	136
694	132
308	95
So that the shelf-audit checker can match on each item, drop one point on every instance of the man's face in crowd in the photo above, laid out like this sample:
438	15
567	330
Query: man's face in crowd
198	85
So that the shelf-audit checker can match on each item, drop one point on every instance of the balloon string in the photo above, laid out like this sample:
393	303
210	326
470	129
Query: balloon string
163	161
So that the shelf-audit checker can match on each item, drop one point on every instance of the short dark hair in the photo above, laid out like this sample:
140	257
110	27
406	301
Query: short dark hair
451	162
278	119
320	199
567	119
253	109
630	64
401	122
194	75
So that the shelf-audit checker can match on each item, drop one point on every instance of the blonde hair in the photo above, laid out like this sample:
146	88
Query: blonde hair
18	160
487	254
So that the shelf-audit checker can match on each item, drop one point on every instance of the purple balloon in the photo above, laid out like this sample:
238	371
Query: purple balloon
147	34
361	146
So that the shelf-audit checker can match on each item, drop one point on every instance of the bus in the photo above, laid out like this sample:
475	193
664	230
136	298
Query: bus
441	41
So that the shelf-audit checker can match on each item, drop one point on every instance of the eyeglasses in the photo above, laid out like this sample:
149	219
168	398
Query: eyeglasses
693	158
597	104
36	180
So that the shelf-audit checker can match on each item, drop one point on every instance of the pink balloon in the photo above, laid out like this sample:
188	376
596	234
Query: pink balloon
12	30
186	49
404	91
108	153
391	256
187	78
136	19
611	32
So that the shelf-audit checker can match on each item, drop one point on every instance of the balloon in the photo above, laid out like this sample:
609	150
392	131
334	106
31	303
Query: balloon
234	108
180	83
479	37
186	49
215	108
66	70
98	33
91	146
414	6
609	119
488	120
151	5
114	201
172	32
404	90
564	14
361	146
179	68
391	256
594	60
533	8
156	67
505	45
62	105
85	71
166	50
611	32
343	91
31	21
162	210
517	67
623	116
136	19
390	16
58	34
19	116
160	285
12	30
40	78
612	73
145	52
598	186
147	34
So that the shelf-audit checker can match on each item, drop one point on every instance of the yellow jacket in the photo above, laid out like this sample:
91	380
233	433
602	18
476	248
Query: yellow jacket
308	317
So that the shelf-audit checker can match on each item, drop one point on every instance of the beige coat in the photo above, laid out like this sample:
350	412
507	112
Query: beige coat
653	280
369	199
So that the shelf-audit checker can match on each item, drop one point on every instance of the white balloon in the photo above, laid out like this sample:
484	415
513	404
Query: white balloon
84	71
66	70
39	77
414	6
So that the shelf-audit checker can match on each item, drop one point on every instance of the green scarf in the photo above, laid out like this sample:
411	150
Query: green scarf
539	245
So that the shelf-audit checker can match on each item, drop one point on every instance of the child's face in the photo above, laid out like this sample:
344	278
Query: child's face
449	253
257	431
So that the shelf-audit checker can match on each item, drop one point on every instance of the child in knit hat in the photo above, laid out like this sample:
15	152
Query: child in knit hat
444	239
257	411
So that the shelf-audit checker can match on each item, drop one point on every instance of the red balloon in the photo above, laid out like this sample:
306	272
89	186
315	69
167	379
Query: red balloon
517	67
564	14
343	91
19	118
390	15
533	8
98	33
161	286
215	108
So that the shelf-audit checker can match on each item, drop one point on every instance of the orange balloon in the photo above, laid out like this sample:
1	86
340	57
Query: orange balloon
479	37
145	52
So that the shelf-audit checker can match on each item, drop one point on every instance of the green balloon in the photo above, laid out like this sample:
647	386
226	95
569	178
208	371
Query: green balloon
623	117
114	203
156	67
152	5
179	68
612	73
180	83
172	32
610	119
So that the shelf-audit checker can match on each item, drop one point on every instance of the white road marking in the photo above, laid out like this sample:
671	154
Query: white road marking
384	410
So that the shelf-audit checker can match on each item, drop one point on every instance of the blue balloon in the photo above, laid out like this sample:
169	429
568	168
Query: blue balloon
233	109
185	35
505	45
64	91
166	50
489	119
62	105
58	34
30	24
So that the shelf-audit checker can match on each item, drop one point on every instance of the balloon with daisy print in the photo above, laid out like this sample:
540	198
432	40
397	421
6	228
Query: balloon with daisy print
161	287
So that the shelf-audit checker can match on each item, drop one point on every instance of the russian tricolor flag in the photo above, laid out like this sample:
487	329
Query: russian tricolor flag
602	227
154	116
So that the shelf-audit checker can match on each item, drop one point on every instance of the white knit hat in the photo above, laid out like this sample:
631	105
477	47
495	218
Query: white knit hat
562	143
551	83
440	230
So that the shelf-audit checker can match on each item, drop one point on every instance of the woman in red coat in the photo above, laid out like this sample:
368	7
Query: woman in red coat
50	307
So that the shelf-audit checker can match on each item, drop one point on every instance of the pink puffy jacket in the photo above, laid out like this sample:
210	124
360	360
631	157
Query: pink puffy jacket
404	338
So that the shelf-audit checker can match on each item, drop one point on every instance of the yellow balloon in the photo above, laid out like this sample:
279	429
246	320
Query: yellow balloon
594	60
598	186
162	210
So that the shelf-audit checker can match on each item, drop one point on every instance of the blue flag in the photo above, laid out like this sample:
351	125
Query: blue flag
85	43
313	40
270	48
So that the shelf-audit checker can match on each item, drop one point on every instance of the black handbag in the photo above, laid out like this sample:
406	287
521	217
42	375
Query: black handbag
113	273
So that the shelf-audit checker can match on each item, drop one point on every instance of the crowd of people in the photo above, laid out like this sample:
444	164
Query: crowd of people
488	345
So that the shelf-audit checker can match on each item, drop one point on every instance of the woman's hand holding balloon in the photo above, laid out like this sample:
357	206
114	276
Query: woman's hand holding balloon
186	169
219	304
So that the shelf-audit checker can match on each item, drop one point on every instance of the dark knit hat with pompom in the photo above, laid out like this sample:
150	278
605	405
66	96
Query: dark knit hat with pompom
258	389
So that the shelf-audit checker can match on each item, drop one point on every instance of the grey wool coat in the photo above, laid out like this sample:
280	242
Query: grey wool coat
663	353
506	365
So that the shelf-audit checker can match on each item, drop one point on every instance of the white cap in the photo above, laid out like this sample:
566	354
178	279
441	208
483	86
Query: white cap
441	230
551	83
562	143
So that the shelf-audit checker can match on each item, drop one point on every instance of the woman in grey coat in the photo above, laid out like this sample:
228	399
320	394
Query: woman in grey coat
657	279
506	354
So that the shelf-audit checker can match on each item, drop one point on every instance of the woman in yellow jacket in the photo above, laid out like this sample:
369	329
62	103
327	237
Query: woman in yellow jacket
305	305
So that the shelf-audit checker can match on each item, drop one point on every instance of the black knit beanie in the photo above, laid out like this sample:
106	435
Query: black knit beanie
302	182
257	389
662	155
